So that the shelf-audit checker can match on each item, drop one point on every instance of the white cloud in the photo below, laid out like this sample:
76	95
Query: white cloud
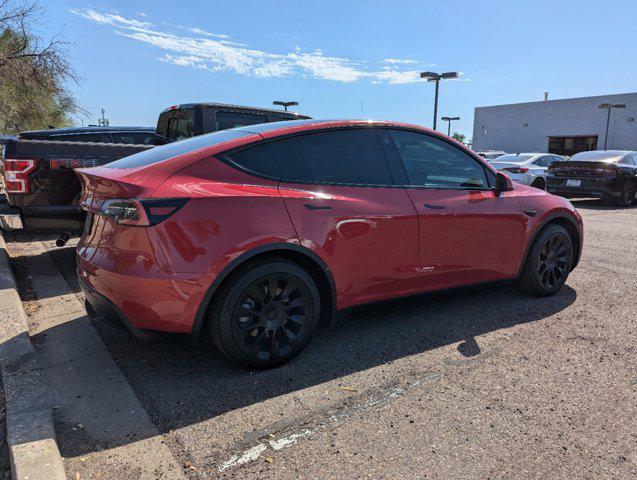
210	51
399	61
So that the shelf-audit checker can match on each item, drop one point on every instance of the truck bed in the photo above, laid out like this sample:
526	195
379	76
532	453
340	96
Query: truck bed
51	203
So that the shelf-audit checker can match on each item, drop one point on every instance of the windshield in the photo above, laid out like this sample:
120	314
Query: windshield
159	154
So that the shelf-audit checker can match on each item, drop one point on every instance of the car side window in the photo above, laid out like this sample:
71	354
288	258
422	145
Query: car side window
352	156
264	159
544	161
434	163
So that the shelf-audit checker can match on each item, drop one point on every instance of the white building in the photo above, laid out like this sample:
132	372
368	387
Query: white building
564	126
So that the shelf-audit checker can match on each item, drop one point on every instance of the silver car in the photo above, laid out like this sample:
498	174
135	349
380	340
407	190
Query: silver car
526	168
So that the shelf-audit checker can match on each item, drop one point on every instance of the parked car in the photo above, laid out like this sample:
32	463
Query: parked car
259	234
526	168
95	134
42	190
491	154
607	174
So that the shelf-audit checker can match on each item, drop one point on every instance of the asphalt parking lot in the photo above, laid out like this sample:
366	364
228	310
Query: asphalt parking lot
478	383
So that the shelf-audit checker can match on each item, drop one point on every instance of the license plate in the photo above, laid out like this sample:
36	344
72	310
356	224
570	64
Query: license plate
573	183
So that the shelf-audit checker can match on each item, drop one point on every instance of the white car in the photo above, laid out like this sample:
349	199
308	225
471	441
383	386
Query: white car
526	168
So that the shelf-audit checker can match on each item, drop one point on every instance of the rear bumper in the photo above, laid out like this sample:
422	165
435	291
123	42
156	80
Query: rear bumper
141	304
10	216
599	188
41	218
98	307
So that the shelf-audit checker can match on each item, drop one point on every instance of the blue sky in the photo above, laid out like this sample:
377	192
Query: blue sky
342	59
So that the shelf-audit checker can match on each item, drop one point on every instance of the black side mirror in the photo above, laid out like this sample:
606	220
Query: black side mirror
502	183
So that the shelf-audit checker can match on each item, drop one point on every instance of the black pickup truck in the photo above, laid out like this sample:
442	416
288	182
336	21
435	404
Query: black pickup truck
42	191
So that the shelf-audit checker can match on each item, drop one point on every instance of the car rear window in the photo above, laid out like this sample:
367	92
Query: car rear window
164	152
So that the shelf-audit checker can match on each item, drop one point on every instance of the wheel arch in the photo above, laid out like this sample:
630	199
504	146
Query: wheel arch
558	219
305	257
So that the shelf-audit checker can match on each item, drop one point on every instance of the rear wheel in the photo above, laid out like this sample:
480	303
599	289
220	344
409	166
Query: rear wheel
627	195
265	314
548	262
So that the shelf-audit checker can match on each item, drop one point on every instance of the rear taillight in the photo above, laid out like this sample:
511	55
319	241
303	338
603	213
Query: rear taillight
16	175
516	169
141	213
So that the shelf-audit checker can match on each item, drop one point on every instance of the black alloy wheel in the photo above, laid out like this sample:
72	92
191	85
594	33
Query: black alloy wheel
548	262
553	262
271	317
265	313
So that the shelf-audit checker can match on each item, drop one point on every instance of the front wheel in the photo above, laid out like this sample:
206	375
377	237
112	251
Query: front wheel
265	314
548	262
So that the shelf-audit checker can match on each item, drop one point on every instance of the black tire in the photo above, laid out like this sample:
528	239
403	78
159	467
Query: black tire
627	195
548	262
265	313
539	183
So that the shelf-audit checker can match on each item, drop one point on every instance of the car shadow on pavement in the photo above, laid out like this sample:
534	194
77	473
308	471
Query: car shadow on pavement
596	204
180	384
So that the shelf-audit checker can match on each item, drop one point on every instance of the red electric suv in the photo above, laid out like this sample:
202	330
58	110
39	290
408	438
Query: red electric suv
259	234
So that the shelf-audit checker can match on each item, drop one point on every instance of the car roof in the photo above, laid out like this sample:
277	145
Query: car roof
89	129
235	107
290	126
600	155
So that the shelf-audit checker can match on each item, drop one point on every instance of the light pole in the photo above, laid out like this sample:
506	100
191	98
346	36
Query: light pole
449	120
436	77
609	107
284	104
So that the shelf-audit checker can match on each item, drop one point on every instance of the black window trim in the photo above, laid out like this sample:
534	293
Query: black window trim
226	157
381	130
469	153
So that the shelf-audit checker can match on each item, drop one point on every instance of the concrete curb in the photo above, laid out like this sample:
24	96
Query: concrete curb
30	430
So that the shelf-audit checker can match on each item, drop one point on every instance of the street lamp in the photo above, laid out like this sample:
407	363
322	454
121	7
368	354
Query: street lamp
284	104
609	107
436	77
449	120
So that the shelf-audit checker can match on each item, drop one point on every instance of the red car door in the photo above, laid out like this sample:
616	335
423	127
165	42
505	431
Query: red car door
344	207
468	234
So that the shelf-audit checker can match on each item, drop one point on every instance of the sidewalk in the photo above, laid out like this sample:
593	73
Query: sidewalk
31	438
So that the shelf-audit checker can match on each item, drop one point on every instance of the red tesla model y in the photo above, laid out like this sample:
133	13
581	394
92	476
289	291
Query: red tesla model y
258	234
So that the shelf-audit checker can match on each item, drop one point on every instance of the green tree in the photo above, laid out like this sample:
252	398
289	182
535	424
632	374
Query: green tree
34	74
459	136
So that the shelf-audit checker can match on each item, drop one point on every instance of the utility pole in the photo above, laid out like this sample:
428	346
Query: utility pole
103	122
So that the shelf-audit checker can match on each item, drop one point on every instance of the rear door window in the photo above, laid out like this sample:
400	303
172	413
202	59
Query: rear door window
264	159
353	156
434	163
225	120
